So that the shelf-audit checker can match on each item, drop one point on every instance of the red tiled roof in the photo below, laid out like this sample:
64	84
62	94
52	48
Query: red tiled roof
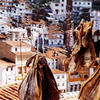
23	53
2	36
54	29
5	64
52	37
9	92
51	54
56	71
16	43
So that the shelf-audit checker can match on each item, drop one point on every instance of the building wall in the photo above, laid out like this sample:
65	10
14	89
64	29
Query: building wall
21	49
82	3
95	15
74	86
1	75
7	75
56	42
5	52
51	63
77	9
10	75
59	9
21	60
61	80
36	31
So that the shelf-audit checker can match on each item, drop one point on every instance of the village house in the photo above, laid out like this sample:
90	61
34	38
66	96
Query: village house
61	79
7	71
52	55
59	9
3	21
95	15
16	34
51	58
75	80
16	8
79	7
38	32
2	37
55	36
11	13
10	91
16	51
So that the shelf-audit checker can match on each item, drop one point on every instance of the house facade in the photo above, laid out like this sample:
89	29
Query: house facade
59	9
81	10
61	79
17	52
95	15
7	72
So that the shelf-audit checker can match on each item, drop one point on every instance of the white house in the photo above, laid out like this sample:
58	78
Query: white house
51	62
59	9
37	30
78	5
16	8
16	51
95	15
7	72
61	79
16	34
75	80
55	36
3	25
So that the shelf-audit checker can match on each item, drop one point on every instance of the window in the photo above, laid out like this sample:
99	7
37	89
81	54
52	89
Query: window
75	3
88	3
75	87
85	76
11	68
62	0
57	11
62	84
6	69
16	4
62	5
0	3
79	86
52	63
61	36
22	4
15	49
56	4
58	77
62	76
71	77
62	10
20	70
71	88
9	78
20	9
58	84
2	27
79	2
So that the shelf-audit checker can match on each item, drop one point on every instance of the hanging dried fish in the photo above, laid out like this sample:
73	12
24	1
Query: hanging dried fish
83	52
39	83
90	89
